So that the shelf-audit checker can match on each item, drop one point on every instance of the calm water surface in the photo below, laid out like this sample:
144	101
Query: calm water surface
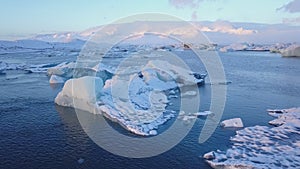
35	133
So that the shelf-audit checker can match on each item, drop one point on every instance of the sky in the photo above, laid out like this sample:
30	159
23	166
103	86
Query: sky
28	17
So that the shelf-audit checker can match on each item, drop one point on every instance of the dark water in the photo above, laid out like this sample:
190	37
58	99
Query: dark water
35	133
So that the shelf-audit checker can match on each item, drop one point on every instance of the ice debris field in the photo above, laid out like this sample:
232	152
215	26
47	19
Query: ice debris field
263	146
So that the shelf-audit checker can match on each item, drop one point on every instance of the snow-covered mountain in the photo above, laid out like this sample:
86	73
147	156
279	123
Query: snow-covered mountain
222	35
220	32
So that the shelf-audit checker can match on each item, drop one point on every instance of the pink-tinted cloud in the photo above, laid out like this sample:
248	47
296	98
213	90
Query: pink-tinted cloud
185	3
292	7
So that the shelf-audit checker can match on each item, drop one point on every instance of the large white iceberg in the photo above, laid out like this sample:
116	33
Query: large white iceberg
80	93
140	106
262	146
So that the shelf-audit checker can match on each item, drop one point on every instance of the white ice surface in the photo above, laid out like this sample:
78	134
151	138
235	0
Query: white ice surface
291	51
54	79
143	109
63	69
235	122
80	93
139	107
264	147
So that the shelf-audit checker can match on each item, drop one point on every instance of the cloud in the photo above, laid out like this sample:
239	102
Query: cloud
292	7
185	3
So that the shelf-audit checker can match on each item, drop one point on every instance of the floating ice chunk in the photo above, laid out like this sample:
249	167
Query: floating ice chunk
209	155
182	76
291	51
235	122
205	113
189	93
220	83
283	115
102	67
80	93
153	132
234	47
262	146
188	117
54	79
64	69
280	111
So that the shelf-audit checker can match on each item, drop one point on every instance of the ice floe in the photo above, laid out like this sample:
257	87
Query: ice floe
204	113
235	122
263	146
189	117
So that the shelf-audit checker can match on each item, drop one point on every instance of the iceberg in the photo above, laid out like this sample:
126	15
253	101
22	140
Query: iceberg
209	155
205	113
139	107
80	93
64	69
54	79
291	51
189	117
235	122
263	146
